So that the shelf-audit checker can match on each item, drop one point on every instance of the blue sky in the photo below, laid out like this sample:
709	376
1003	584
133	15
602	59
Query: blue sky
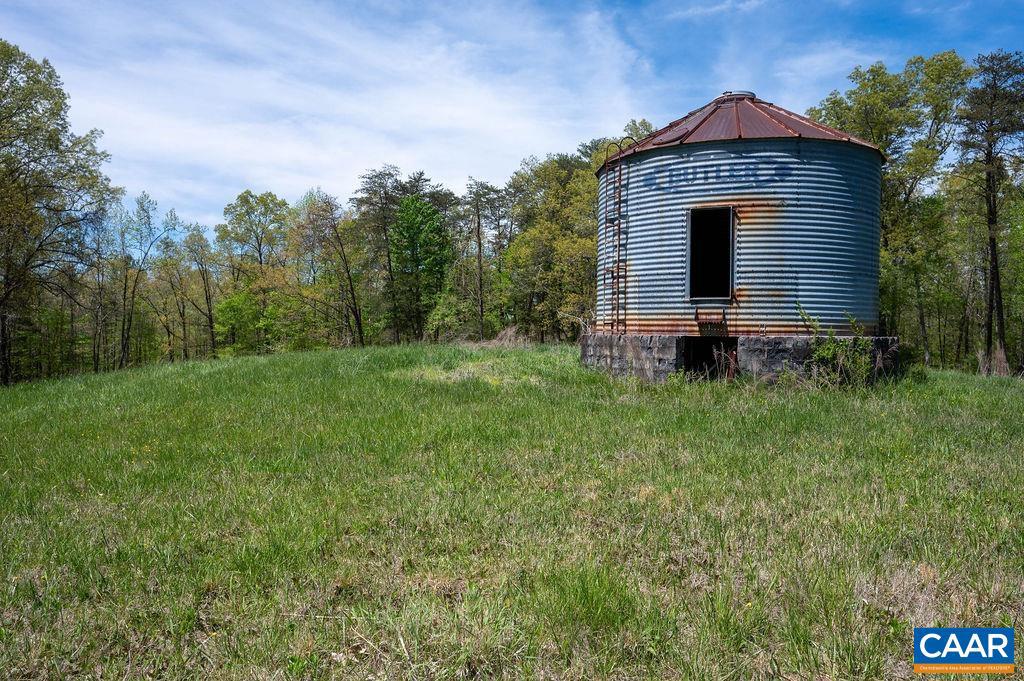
199	102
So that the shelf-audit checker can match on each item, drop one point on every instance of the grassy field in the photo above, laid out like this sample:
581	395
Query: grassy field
445	512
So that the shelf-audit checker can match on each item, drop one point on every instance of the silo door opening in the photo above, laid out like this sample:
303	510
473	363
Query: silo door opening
711	253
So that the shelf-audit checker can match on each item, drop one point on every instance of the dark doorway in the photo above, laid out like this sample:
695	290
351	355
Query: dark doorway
711	253
710	356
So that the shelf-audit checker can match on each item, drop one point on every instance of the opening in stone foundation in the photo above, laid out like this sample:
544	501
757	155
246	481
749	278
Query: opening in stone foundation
712	356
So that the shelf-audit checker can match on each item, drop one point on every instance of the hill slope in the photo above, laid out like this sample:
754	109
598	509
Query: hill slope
444	512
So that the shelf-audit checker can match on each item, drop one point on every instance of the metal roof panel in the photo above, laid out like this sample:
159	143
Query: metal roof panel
738	115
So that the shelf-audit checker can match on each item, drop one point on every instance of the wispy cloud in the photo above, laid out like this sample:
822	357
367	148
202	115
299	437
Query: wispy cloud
204	102
698	10
803	77
933	8
792	74
200	100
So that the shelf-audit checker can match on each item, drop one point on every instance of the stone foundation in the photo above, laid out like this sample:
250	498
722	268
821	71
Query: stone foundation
654	358
771	355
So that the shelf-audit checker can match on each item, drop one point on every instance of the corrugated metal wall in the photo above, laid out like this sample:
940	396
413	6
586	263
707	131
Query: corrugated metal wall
807	231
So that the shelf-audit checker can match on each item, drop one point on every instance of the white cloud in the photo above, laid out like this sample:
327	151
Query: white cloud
202	100
734	69
698	10
934	8
793	75
804	78
199	102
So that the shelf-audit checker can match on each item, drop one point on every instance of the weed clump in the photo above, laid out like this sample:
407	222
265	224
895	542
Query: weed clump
842	360
594	605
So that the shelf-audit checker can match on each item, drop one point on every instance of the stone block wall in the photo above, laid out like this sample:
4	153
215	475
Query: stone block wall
655	358
652	358
771	355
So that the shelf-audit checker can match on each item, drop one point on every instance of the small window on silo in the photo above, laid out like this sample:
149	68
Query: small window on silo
711	252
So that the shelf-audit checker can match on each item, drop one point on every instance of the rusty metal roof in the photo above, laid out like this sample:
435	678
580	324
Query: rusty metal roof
735	116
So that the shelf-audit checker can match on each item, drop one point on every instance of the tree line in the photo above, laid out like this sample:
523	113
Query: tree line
952	250
92	280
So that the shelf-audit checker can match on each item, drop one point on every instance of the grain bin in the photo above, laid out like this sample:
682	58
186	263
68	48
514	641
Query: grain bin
716	231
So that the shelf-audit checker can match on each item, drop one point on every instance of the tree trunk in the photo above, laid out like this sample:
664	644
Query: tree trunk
6	371
418	317
208	295
989	301
71	359
213	336
96	340
126	322
995	289
354	308
960	333
183	317
391	271
170	342
942	339
969	340
996	306
480	271
357	314
346	319
922	327
1020	354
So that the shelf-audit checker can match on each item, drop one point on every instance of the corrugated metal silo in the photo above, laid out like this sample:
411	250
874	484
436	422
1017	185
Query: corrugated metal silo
800	202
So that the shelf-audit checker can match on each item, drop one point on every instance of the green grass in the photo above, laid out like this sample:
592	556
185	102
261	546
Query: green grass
446	512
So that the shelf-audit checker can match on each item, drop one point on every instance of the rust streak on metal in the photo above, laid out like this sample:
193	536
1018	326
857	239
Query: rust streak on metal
746	208
689	327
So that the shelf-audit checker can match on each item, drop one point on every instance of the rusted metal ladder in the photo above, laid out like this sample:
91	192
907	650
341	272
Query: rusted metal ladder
616	219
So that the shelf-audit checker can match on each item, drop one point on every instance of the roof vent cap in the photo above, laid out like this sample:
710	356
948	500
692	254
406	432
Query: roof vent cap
739	93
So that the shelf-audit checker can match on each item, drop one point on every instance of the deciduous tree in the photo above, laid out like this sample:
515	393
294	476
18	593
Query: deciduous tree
51	188
993	128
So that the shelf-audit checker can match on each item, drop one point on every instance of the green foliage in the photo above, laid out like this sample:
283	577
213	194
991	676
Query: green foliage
52	191
911	116
839	360
255	229
449	317
239	321
421	253
638	129
551	264
991	145
916	373
842	361
993	110
302	666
